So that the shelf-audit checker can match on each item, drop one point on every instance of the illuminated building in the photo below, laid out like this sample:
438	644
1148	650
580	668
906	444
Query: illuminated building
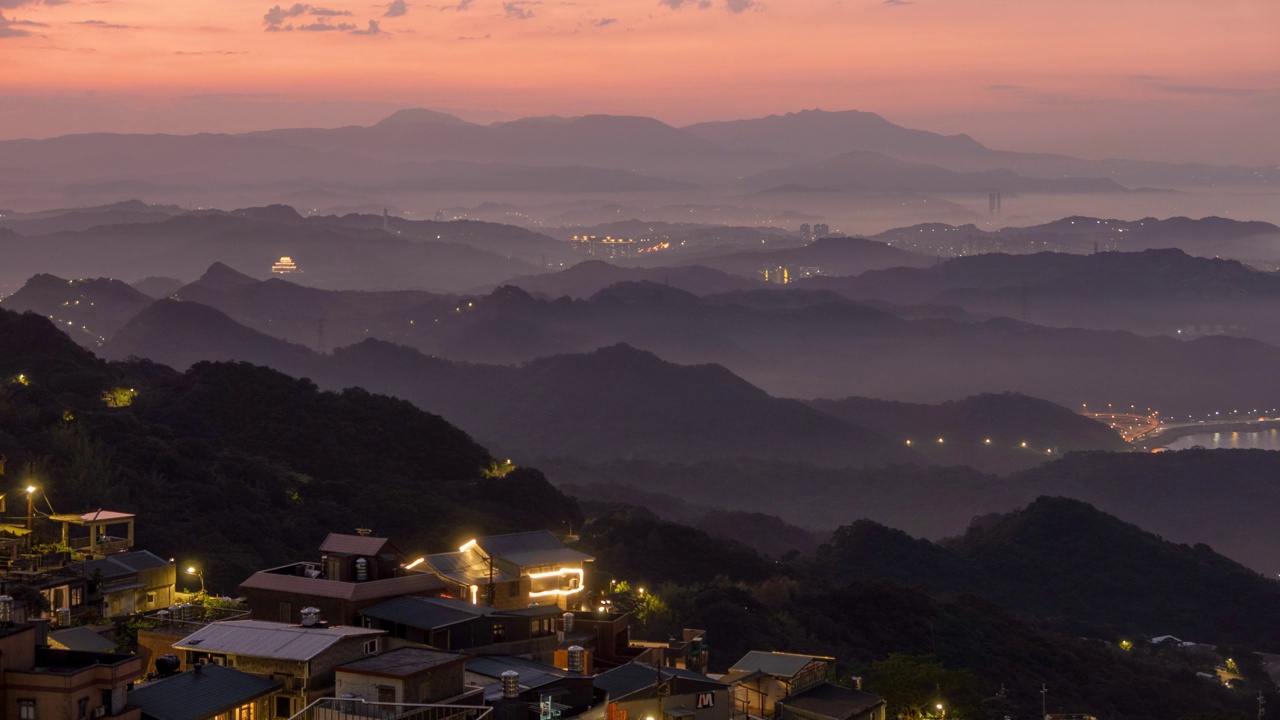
609	247
513	571
285	266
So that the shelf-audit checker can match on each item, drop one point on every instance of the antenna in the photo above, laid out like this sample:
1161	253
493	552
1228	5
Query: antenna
320	337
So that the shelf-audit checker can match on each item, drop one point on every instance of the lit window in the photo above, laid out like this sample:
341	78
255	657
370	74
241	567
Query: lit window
26	709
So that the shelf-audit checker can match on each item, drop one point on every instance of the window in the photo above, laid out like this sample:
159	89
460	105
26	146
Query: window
513	589
499	632
77	596
247	712
371	647
286	612
26	709
386	694
284	707
82	708
151	598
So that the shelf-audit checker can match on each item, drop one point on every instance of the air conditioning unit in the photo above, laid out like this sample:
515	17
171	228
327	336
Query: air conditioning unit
100	711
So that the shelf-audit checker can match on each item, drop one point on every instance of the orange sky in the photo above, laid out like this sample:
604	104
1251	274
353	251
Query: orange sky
1190	77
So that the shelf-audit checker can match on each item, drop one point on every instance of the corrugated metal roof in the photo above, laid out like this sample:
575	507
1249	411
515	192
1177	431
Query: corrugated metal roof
776	664
117	565
404	662
468	567
425	613
635	677
532	674
832	701
357	545
258	638
553	556
532	548
416	583
191	695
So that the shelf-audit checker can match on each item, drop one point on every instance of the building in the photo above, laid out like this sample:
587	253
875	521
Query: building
826	701
128	583
407	675
638	691
762	679
535	685
513	571
205	692
46	684
458	625
301	658
354	572
285	266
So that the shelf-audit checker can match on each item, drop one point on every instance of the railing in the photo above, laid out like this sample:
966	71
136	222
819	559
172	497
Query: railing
361	709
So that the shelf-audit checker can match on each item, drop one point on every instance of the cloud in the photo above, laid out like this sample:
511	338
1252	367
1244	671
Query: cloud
486	36
276	16
13	4
373	29
1206	90
739	6
463	5
517	10
326	26
210	52
897	3
7	29
102	24
396	9
605	22
678	4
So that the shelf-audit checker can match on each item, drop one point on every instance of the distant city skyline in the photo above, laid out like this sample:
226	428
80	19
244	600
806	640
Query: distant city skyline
1182	80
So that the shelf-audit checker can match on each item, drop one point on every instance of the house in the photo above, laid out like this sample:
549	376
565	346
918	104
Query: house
301	658
205	692
512	571
39	682
407	675
456	625
826	701
100	532
638	691
65	591
128	583
354	572
535	684
761	679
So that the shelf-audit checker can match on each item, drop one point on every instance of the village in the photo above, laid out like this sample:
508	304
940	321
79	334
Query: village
512	627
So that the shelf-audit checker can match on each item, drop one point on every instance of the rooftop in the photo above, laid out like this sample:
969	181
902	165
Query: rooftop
120	565
282	579
635	677
469	567
529	549
532	674
96	516
357	545
82	638
259	638
777	664
430	613
832	701
405	662
192	695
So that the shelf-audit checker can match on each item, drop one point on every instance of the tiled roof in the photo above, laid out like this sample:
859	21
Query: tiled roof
404	662
777	664
357	545
258	638
192	695
832	701
354	591
122	564
425	613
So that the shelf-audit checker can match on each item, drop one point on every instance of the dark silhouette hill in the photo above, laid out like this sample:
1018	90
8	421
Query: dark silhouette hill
240	467
1068	563
251	240
75	219
89	310
1150	292
588	278
158	287
834	255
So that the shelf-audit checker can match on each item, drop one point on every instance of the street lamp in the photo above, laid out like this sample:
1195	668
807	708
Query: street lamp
941	710
200	574
31	499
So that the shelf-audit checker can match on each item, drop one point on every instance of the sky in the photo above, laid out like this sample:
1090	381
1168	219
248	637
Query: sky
1169	79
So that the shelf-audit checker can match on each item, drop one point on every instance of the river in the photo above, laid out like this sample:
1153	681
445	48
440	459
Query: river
1263	440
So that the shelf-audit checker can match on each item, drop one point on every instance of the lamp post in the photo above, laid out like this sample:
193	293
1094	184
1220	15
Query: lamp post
31	499
200	574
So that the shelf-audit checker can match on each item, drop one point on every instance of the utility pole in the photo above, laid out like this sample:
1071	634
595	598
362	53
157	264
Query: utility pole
1261	702
1044	700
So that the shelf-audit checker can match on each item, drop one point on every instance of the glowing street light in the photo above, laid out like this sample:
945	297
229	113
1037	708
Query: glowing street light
200	574
31	499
